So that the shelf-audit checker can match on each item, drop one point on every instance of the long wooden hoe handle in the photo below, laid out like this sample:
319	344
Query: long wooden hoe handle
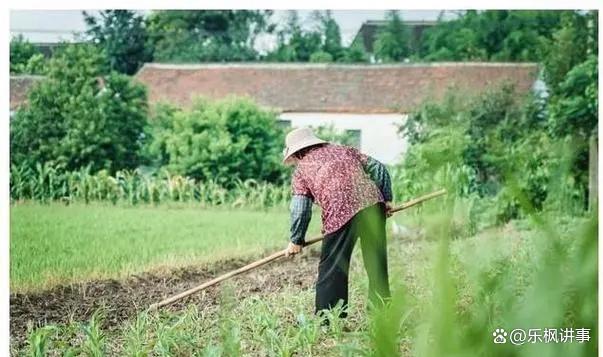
277	255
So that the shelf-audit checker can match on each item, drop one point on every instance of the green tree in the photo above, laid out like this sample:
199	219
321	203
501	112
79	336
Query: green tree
293	43
498	35
206	35
76	118
568	46
159	131
224	141
392	43
479	143
331	34
321	43
571	74
574	109
122	37
355	53
25	58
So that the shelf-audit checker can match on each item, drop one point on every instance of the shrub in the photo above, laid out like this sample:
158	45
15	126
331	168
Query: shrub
159	131
321	57
122	36
25	58
223	141
76	117
474	147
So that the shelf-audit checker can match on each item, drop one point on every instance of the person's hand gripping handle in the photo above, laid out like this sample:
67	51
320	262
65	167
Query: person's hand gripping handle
293	249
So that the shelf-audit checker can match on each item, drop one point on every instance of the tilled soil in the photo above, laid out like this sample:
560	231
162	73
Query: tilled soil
122	300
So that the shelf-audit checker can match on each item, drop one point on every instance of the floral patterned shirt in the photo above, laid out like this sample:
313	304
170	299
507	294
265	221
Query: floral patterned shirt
342	181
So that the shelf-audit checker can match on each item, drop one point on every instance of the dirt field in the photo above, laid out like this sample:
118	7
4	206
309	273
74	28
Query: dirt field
122	300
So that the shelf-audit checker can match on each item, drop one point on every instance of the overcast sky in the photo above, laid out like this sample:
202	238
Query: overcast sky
56	25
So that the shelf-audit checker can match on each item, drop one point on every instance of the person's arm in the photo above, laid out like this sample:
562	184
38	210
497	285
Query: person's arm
379	174
301	214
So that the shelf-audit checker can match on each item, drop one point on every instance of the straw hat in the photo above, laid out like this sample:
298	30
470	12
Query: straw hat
298	139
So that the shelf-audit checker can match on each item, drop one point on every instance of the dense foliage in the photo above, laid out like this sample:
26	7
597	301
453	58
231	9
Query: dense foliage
331	35
492	35
574	107
122	37
25	58
571	75
293	43
573	38
392	43
205	35
226	141
128	39
320	43
76	117
480	147
502	136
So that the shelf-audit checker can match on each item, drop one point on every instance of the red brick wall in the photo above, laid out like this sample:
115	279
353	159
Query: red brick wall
330	88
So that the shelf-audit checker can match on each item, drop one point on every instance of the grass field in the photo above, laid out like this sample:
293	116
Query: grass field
55	244
449	294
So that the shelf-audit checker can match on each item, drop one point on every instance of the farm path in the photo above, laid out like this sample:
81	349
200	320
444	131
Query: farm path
122	300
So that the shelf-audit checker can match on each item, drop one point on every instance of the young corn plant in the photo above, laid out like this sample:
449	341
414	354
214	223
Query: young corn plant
49	183
137	339
230	331
95	340
39	340
66	336
19	186
386	322
308	332
333	319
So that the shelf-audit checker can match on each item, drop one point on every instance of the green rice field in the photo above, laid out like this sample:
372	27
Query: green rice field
53	243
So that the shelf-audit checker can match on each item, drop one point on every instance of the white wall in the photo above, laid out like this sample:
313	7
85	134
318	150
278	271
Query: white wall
378	132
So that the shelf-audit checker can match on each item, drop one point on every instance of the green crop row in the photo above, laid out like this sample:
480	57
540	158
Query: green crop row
46	183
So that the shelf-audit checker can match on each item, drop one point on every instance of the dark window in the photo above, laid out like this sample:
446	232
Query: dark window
284	124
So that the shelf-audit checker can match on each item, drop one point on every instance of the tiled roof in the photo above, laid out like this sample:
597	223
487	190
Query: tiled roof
330	87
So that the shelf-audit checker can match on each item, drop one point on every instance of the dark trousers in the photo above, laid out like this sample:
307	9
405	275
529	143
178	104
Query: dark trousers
337	247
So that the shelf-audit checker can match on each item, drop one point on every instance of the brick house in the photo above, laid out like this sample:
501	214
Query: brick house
370	101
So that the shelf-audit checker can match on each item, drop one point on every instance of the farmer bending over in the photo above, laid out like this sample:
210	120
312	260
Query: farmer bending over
354	193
